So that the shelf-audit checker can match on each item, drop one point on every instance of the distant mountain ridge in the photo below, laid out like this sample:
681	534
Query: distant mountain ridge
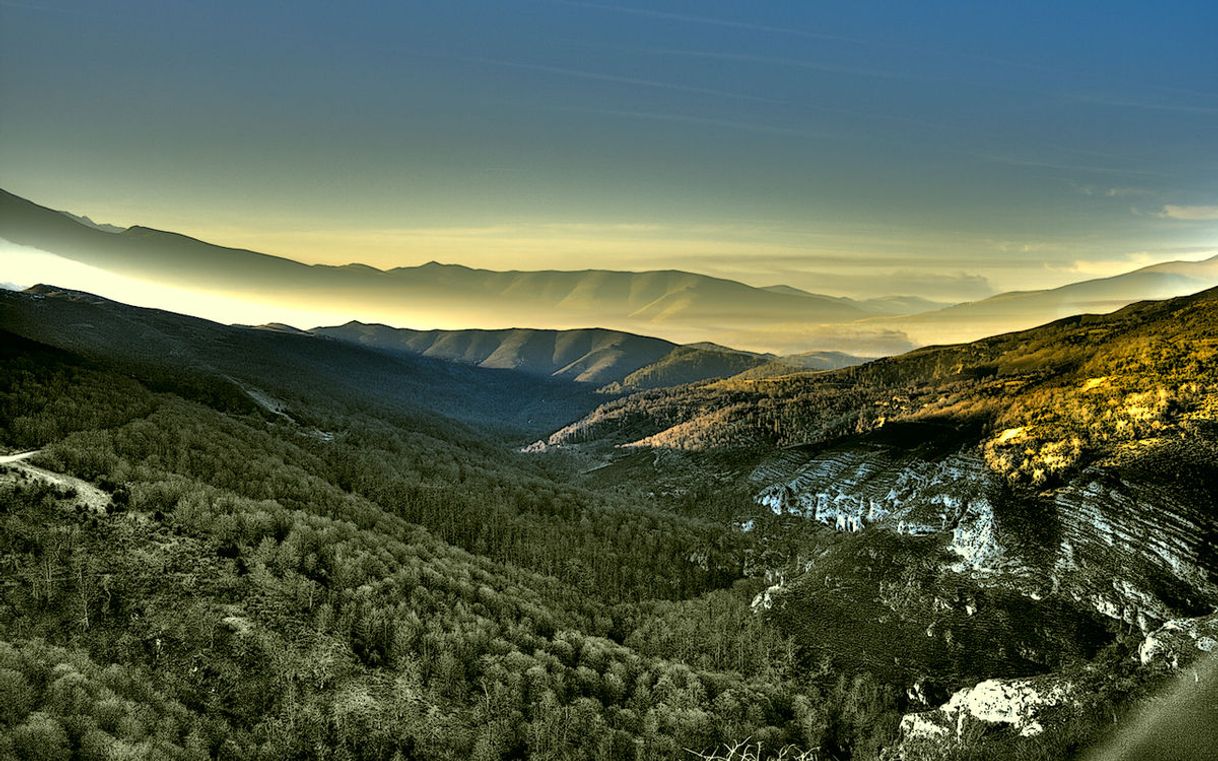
90	223
1018	310
814	361
591	355
680	307
616	360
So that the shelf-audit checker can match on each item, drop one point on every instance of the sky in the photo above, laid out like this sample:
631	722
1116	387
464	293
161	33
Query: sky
941	149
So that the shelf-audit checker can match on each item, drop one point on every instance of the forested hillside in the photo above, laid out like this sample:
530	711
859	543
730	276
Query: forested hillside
243	363
612	359
349	578
286	547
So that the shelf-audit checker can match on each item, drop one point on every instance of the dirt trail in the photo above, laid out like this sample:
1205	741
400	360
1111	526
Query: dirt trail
86	493
6	459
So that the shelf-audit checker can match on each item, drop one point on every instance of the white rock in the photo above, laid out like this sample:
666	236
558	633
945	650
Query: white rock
1012	702
1179	641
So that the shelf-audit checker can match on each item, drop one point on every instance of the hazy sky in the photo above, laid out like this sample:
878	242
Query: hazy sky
942	149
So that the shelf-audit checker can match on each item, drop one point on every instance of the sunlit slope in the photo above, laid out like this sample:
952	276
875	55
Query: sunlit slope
1052	398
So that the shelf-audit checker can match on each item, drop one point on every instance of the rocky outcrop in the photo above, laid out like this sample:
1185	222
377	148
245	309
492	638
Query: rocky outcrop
1019	706
1013	703
1180	641
1109	541
850	488
1131	549
1027	706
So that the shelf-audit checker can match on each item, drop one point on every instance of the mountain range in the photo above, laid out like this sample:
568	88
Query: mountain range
1017	310
616	361
680	307
589	356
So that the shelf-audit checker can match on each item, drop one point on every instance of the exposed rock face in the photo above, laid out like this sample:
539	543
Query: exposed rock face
1133	549
1123	546
1015	703
1113	539
975	539
1178	642
777	579
764	600
850	488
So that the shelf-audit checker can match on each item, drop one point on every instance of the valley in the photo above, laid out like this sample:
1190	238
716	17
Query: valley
963	551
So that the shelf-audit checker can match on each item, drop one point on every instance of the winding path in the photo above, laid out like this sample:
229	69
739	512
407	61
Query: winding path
86	492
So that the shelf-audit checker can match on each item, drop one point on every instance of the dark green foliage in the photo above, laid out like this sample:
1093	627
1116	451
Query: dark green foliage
60	704
266	593
880	602
688	364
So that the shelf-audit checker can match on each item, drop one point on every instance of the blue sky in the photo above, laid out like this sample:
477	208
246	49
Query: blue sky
944	149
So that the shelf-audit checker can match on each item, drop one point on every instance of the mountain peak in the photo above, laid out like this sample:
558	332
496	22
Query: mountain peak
87	222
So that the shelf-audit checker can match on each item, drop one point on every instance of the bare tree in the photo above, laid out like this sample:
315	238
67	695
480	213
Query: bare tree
745	750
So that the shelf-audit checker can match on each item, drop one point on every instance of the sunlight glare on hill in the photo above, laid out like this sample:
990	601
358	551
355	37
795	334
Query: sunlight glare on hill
25	266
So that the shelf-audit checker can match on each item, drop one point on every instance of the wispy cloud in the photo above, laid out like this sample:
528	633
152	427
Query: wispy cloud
1113	191
615	79
732	124
1107	267
1190	213
758	126
1180	108
792	63
941	286
1062	166
793	32
712	21
1133	260
33	7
